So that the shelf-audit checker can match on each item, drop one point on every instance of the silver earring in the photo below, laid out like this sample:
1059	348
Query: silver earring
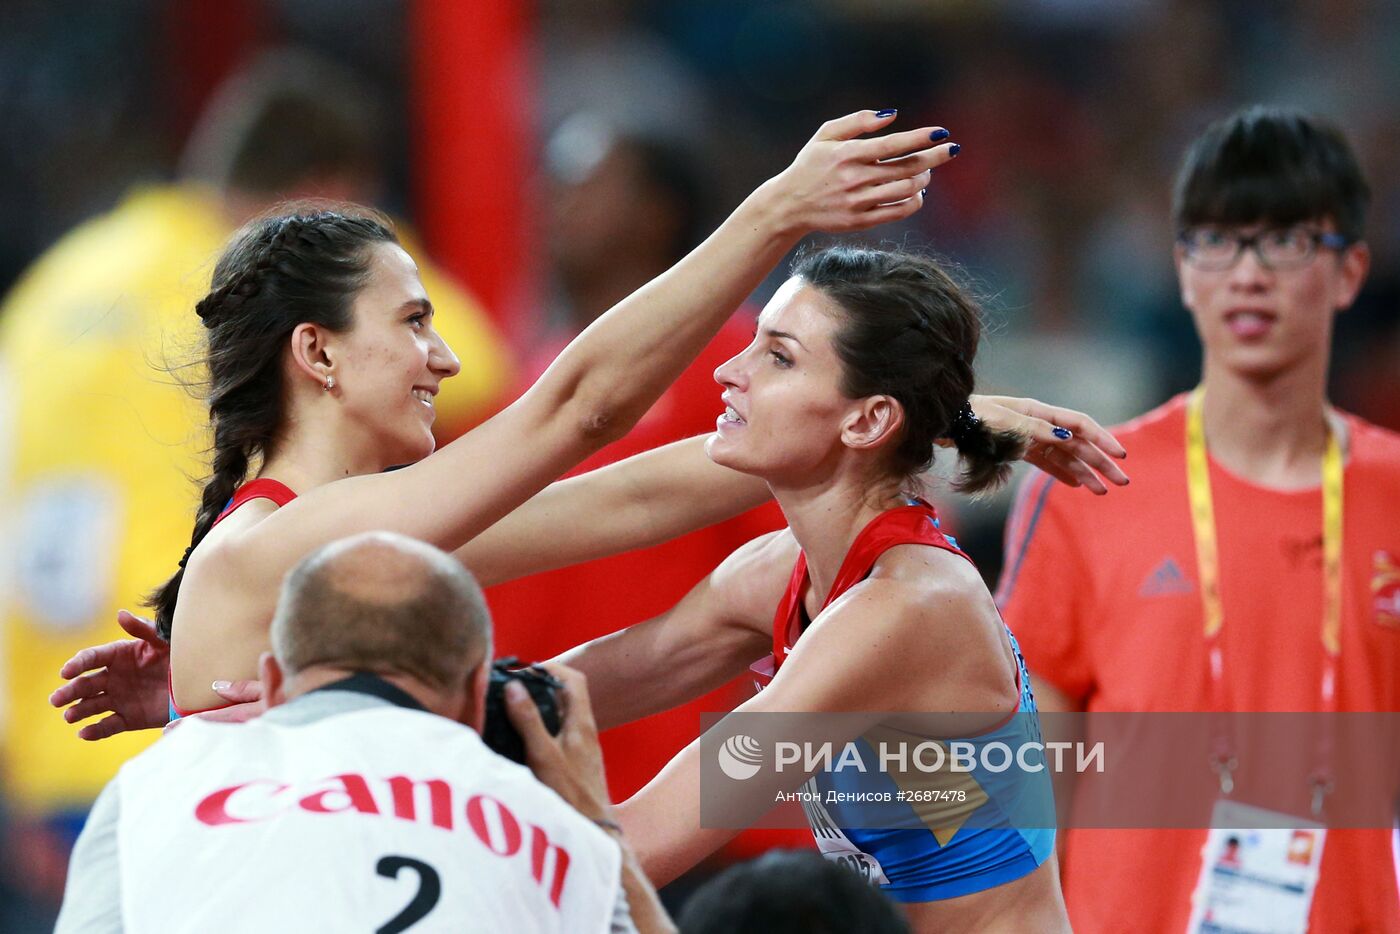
330	383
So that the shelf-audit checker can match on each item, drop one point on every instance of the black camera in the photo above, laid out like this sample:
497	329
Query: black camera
499	733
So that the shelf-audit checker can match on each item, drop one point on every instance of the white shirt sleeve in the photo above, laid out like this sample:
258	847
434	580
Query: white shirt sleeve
92	902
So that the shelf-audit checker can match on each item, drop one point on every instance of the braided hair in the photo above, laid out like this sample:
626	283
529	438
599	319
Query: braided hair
909	332
297	265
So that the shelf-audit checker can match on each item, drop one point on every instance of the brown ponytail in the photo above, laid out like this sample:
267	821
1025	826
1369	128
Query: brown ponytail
911	333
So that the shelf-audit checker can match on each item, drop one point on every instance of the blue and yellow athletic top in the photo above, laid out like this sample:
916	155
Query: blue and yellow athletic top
944	832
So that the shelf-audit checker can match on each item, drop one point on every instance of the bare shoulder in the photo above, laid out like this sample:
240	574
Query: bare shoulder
229	546
752	580
227	564
930	587
930	570
928	610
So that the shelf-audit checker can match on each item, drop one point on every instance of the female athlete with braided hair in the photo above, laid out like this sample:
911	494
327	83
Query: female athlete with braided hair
323	363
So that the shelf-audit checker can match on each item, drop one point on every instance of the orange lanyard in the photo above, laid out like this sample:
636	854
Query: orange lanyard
1208	570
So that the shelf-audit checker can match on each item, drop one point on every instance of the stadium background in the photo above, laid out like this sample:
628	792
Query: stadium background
1071	114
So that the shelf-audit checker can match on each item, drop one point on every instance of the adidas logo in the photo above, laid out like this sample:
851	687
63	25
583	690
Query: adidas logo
1165	579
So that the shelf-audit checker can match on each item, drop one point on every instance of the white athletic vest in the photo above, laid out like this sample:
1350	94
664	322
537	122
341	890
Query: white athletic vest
380	819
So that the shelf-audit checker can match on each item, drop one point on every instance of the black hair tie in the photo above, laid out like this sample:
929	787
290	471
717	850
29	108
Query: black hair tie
964	424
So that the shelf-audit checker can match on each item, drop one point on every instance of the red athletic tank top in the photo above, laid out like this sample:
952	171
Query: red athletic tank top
915	524
261	488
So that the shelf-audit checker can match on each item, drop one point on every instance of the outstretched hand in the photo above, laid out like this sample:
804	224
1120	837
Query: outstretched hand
125	679
129	680
1068	445
840	182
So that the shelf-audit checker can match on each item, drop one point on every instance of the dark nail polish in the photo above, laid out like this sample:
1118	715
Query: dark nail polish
923	192
954	149
1062	433
888	112
938	134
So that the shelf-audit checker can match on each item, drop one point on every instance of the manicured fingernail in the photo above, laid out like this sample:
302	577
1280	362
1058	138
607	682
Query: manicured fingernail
887	112
938	134
923	192
954	149
222	685
1062	433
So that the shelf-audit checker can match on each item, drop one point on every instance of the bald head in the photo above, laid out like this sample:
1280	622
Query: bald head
385	603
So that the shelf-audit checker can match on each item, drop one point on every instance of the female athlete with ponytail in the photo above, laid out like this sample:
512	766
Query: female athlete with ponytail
860	364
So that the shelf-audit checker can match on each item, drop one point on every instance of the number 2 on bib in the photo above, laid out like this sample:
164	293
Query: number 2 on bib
429	891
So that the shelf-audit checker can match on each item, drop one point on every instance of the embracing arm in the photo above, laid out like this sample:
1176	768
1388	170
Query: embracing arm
642	501
712	635
658	495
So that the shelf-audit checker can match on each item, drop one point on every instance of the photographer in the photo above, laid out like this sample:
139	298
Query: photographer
360	799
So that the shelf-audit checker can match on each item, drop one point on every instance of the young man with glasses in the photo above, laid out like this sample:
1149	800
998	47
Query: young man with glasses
1246	567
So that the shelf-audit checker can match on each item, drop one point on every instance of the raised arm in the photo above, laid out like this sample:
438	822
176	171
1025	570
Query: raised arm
608	377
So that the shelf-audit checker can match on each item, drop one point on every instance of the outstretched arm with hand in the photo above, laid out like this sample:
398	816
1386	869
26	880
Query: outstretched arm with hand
127	680
673	490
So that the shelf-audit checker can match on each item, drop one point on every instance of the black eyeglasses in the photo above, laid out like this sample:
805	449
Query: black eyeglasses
1214	249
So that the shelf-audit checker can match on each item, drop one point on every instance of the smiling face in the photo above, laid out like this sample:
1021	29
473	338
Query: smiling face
785	413
1261	322
389	365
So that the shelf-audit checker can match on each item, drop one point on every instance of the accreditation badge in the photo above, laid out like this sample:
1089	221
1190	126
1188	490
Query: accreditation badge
1257	878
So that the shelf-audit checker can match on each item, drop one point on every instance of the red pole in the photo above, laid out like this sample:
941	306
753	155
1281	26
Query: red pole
471	107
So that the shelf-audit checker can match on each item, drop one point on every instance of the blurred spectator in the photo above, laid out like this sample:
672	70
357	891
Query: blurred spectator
593	58
624	209
377	687
790	892
94	340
